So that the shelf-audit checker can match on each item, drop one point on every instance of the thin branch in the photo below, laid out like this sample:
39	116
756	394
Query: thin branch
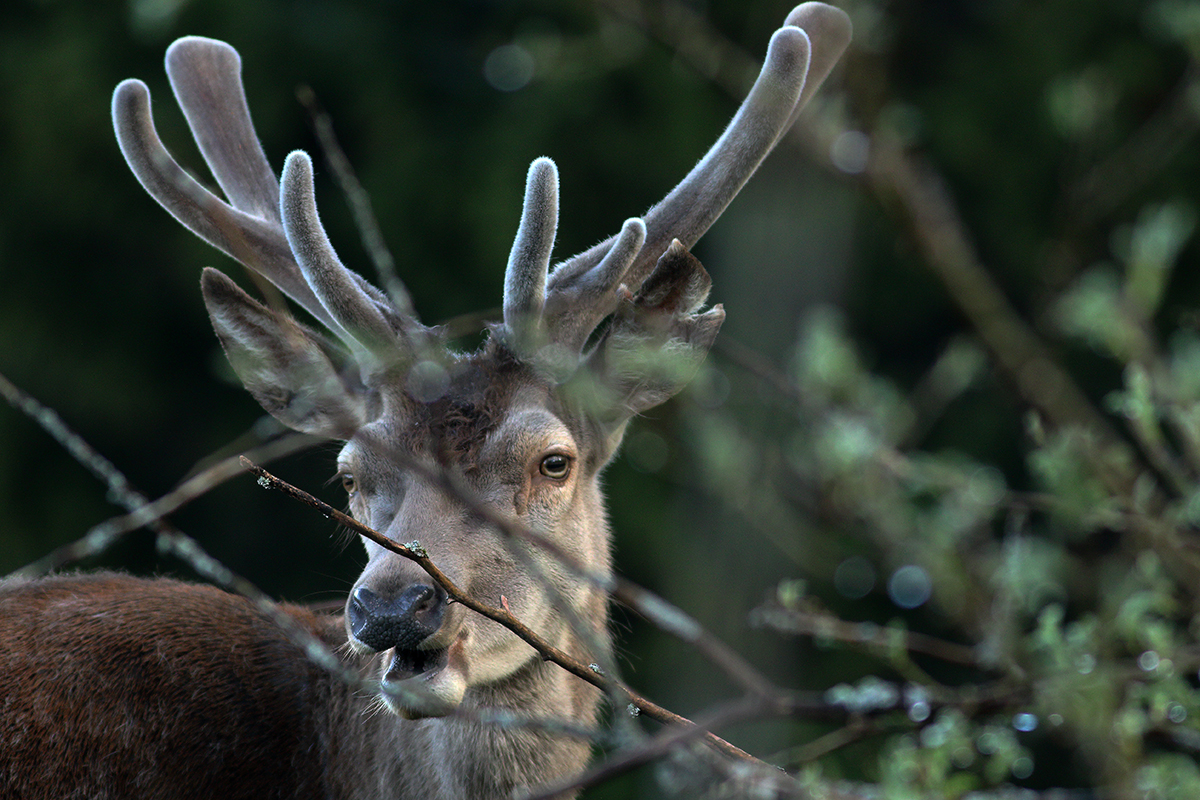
760	367
745	709
856	730
414	552
102	536
1141	156
360	204
657	610
821	625
169	538
857	724
118	486
921	198
657	746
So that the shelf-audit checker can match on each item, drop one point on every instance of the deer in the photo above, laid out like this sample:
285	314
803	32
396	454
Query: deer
115	686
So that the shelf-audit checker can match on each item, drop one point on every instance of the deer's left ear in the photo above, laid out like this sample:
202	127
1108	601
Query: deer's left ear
657	339
294	373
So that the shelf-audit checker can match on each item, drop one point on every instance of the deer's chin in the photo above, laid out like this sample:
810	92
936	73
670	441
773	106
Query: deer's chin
424	683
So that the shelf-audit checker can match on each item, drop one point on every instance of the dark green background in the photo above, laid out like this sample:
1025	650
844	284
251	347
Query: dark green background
100	310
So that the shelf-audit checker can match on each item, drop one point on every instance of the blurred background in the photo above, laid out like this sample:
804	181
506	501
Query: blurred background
1060	130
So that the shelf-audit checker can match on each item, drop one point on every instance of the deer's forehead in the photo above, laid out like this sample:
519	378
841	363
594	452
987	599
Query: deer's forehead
530	421
365	449
461	422
530	428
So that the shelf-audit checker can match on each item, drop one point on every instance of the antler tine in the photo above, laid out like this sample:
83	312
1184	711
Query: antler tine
692	206
571	314
829	34
253	241
205	75
699	199
574	310
529	260
354	310
794	68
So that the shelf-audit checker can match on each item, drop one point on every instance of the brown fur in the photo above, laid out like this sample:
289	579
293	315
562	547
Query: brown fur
210	685
113	686
454	426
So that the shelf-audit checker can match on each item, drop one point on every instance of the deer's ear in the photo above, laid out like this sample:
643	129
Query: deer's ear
291	371
657	339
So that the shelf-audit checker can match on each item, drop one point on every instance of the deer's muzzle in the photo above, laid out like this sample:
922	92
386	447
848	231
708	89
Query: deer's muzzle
402	621
422	677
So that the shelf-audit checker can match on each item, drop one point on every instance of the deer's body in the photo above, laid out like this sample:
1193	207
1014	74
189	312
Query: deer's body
220	703
229	693
118	687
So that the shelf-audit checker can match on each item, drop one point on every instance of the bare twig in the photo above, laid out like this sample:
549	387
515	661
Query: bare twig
856	730
1141	156
169	538
499	615
920	196
414	552
859	634
656	747
107	533
657	610
360	204
760	367
87	456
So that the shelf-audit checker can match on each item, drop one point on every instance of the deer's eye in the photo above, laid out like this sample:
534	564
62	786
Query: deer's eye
556	466
348	483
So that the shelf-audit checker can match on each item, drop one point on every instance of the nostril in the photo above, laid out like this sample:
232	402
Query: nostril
360	612
417	598
363	599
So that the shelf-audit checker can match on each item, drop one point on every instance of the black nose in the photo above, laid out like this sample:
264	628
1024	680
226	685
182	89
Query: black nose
404	620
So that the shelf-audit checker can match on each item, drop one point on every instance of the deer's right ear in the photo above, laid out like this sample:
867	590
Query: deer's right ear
656	341
294	373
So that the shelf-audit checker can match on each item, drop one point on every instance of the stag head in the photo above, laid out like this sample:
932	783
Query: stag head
528	421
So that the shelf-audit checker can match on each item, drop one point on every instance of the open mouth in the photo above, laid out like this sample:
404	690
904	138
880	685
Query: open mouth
410	663
420	683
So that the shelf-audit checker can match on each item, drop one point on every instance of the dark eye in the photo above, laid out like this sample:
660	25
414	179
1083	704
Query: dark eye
556	466
348	483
